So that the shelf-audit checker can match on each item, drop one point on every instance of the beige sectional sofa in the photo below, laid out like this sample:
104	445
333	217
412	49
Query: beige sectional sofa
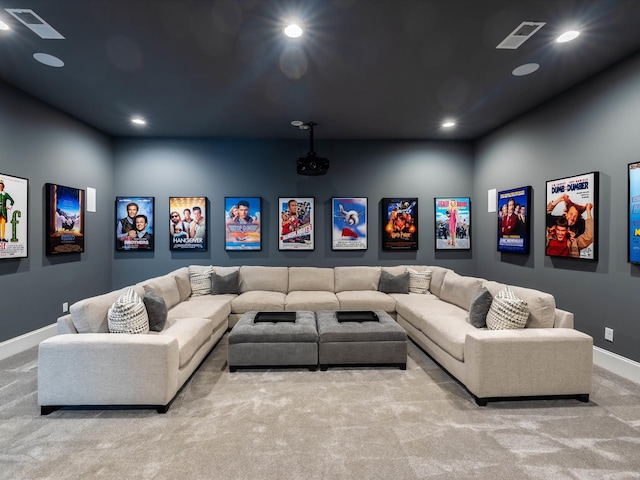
86	365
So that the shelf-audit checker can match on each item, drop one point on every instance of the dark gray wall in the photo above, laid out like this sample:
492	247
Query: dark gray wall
44	145
219	168
592	128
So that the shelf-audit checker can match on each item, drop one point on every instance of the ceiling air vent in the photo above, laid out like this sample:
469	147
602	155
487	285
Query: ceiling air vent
521	34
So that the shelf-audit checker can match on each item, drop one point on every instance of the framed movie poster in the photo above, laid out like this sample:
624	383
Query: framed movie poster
513	220
242	223
634	212
65	219
14	200
134	223
188	223
452	223
571	222
349	223
400	221
296	224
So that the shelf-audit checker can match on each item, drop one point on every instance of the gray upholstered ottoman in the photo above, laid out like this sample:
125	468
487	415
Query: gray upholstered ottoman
274	344
356	343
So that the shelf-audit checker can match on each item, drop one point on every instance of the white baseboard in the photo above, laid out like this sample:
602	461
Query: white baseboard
617	364
25	342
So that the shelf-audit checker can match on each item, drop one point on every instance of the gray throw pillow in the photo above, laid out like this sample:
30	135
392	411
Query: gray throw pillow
156	310
480	306
221	284
394	283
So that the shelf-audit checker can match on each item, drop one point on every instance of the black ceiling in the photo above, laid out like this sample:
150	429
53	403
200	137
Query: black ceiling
392	69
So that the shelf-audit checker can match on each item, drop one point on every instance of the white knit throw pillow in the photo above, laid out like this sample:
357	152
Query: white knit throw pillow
419	281
128	314
507	311
200	278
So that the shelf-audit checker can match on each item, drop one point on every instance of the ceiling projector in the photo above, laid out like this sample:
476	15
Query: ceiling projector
312	164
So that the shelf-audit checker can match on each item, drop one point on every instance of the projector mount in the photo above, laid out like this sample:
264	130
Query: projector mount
311	164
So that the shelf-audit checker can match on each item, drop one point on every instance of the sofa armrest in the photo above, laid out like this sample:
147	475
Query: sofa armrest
107	369
563	319
528	362
65	325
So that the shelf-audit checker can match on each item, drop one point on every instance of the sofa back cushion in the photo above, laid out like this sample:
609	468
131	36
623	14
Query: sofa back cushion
311	279
184	284
542	306
166	286
269	279
437	278
460	290
356	278
91	314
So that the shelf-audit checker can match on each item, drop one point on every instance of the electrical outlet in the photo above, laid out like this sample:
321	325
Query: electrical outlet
608	334
65	307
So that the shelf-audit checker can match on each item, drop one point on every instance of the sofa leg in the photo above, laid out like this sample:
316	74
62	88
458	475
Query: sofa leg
164	408
584	397
46	410
481	402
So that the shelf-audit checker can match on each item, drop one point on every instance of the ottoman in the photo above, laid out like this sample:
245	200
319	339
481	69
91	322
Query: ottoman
274	344
351	343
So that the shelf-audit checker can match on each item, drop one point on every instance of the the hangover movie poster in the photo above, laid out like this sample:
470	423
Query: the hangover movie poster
188	223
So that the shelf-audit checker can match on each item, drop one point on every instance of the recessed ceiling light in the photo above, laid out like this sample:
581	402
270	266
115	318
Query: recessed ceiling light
48	60
138	121
3	26
526	69
297	123
568	36
293	30
448	124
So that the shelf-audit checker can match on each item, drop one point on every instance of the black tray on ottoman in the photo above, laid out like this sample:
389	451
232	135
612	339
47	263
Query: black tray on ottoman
275	317
357	316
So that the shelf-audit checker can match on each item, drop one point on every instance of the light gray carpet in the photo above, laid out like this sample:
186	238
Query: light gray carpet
363	423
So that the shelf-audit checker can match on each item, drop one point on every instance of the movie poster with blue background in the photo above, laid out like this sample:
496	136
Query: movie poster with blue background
634	212
514	207
349	223
188	223
242	223
135	229
14	196
452	223
296	223
571	217
65	222
400	223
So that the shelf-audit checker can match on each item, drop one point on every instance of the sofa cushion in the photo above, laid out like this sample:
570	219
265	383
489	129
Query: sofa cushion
311	279
224	284
156	310
269	279
165	286
390	283
90	315
356	278
480	306
449	332
191	334
542	306
211	307
258	300
366	300
184	282
413	307
437	279
419	281
507	311
460	290
128	314
314	301
200	279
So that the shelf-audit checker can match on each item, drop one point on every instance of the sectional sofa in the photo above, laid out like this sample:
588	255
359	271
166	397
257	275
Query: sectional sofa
86	365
